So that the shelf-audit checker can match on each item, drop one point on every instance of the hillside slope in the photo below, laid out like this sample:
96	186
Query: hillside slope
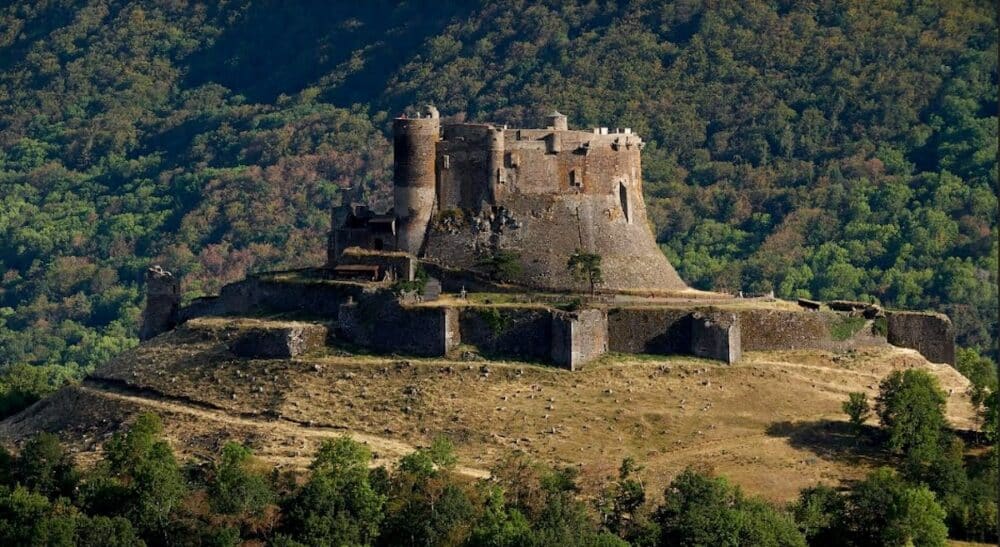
829	149
772	423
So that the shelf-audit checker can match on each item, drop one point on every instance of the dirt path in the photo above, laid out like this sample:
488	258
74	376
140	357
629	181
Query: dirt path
278	427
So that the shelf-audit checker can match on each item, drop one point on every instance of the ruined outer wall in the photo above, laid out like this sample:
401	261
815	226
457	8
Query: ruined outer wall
163	298
661	331
523	333
768	330
716	335
379	322
932	334
268	295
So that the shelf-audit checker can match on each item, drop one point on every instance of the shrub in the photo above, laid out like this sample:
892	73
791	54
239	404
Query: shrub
236	488
857	409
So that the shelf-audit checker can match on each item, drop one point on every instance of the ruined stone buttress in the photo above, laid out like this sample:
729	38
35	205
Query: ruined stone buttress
465	191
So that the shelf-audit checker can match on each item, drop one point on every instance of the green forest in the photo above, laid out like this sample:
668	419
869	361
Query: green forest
827	148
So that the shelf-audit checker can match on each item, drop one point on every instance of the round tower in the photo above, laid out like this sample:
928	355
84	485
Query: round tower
414	146
557	121
494	164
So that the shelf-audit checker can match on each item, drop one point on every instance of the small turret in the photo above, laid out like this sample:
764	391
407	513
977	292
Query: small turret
557	121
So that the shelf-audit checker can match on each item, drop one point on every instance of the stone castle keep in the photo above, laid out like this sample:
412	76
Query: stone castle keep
464	191
411	280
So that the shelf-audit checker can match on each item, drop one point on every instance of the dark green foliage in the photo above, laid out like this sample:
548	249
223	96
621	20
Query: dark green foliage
139	480
338	505
818	514
586	267
503	265
703	510
991	416
880	326
237	488
418	283
910	406
499	525
21	385
884	510
981	372
44	466
846	327
137	496
857	409
493	318
622	507
425	505
30	518
106	532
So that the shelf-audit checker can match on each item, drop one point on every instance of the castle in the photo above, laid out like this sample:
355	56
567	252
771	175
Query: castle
464	192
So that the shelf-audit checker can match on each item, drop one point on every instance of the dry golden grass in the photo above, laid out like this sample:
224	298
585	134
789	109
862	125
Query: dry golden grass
771	423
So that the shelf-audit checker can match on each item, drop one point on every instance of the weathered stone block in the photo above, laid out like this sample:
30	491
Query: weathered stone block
279	340
716	335
932	334
579	337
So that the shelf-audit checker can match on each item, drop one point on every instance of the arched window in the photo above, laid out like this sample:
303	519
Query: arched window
623	196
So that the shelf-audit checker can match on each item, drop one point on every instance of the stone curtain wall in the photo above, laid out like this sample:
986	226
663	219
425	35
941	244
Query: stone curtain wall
932	334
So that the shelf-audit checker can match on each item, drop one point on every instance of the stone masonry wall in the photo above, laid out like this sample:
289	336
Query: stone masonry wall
661	331
716	335
579	337
523	333
380	323
932	334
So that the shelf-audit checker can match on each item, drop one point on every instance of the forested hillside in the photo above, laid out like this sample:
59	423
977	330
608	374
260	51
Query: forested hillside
831	149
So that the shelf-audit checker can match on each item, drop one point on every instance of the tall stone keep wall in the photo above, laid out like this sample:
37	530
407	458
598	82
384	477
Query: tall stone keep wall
932	334
414	177
544	193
